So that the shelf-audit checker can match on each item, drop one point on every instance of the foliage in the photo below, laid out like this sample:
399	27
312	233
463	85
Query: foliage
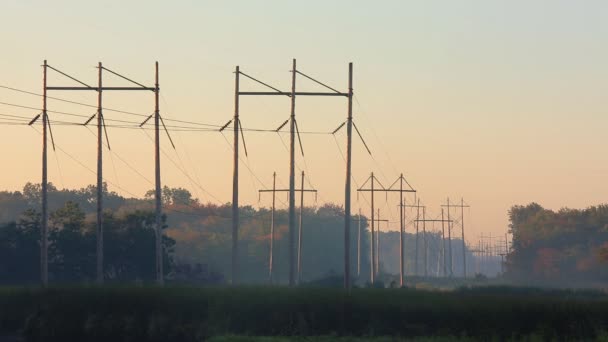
569	246
128	248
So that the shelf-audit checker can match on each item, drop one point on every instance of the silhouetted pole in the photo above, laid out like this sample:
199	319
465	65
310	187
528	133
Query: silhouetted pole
373	259
300	231
300	245
271	262
426	246
377	260
445	272
99	229
235	182
464	245
417	253
401	231
44	265
378	245
292	181
451	258
347	186
359	246
160	276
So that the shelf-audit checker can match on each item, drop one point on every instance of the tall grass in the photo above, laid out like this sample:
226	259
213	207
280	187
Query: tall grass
195	314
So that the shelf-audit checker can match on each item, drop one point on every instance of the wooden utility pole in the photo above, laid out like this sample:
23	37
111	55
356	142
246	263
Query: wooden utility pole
464	246
401	180
235	182
292	179
347	186
271	251
274	191
99	230
417	206
424	221
426	246
300	231
271	261
377	258
450	242
160	275
44	263
372	179
359	246
445	273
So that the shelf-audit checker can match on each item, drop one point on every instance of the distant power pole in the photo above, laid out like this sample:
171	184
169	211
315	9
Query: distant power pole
401	180
372	179
377	258
271	249
359	245
424	221
462	205
417	206
443	238
274	191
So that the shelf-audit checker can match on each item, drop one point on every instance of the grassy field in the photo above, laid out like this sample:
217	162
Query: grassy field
280	314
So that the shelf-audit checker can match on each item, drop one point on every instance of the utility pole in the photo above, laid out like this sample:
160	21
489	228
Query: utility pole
347	187
424	221
271	261
426	246
417	206
293	128
235	182
292	199
160	278
462	205
300	231
99	230
274	191
443	238
44	263
359	246
377	258
271	252
450	241
372	179
401	180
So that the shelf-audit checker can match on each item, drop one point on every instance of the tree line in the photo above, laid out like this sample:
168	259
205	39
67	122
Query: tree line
568	246
197	240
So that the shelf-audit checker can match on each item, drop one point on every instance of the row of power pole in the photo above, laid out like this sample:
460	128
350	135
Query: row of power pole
101	131
274	190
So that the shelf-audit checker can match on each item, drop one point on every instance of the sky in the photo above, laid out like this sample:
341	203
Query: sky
497	102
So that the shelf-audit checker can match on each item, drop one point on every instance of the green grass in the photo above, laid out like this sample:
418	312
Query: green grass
241	314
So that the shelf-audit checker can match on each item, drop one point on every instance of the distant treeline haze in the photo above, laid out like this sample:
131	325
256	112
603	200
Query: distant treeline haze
197	243
567	247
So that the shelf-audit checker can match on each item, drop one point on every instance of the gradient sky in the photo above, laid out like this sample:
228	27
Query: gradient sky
500	102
